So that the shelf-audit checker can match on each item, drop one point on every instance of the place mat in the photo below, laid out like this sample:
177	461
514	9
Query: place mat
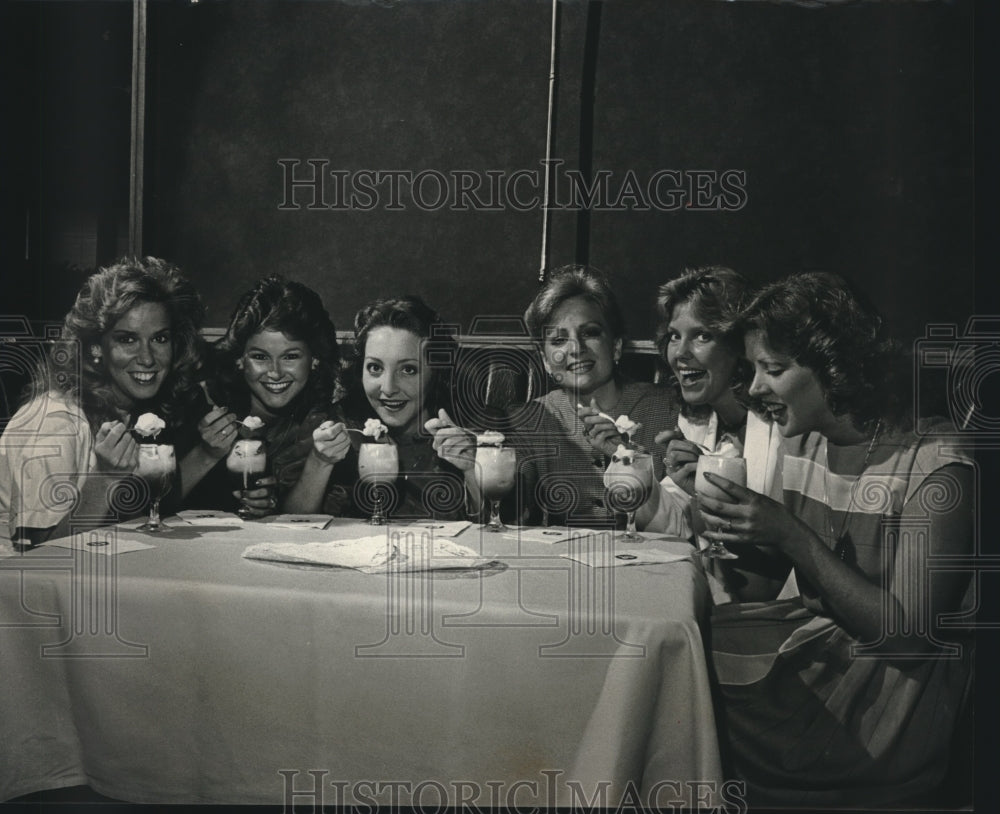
374	554
439	528
103	542
296	521
550	534
605	556
208	517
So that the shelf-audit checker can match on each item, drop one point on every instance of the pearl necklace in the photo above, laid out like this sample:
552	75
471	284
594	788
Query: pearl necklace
839	544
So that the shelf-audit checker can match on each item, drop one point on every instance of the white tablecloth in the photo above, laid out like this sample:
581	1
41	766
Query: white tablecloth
185	673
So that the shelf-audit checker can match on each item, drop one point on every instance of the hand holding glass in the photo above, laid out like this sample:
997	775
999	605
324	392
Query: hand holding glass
734	469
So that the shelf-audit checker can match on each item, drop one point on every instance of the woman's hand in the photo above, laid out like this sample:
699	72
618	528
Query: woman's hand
681	459
749	517
600	432
261	500
115	448
218	432
331	442
453	444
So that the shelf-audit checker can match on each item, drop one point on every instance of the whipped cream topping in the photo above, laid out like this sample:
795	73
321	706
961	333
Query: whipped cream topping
626	425
374	428
149	425
490	438
252	422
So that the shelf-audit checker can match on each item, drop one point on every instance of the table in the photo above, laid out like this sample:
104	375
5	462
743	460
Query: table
185	673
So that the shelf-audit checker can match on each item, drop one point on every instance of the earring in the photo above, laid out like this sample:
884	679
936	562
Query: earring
96	354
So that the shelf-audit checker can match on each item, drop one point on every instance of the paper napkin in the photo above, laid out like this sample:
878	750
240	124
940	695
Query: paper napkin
374	554
606	556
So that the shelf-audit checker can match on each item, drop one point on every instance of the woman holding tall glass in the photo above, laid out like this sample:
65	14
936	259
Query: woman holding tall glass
579	330
129	346
703	351
275	373
400	378
845	690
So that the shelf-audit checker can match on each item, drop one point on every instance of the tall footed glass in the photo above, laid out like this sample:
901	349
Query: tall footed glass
496	469
247	463
628	483
732	468
378	464
157	464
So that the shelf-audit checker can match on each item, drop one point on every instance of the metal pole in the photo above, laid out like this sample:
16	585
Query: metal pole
138	127
548	145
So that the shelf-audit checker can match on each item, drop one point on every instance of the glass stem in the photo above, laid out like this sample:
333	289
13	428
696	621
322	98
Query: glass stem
495	513
630	531
154	512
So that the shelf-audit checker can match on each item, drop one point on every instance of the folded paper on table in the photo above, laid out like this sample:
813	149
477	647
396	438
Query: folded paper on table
100	541
551	534
297	521
439	528
209	517
609	556
375	554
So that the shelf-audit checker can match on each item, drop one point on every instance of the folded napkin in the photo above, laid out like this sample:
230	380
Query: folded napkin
376	554
209	517
297	521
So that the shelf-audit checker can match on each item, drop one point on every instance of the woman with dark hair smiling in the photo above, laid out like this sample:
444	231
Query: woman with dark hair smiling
396	378
277	362
129	345
846	689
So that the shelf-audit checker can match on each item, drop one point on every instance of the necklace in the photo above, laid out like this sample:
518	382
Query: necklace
839	541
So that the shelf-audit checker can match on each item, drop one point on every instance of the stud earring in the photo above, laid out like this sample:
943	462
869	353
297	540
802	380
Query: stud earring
96	354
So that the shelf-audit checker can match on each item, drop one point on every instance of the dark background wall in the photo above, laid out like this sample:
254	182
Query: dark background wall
853	125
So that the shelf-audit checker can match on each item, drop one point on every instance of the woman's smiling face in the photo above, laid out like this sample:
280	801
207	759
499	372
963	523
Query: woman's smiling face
395	378
703	365
138	352
276	369
791	394
578	350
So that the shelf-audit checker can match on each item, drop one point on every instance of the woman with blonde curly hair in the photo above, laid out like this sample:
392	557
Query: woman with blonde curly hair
129	345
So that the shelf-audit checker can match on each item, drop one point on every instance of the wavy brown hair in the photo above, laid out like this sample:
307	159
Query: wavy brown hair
819	320
105	298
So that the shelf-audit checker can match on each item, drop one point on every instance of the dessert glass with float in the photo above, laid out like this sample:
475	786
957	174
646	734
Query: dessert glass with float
496	469
378	466
157	464
628	483
247	460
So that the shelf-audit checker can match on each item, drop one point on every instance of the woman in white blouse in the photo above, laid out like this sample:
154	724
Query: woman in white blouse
704	353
